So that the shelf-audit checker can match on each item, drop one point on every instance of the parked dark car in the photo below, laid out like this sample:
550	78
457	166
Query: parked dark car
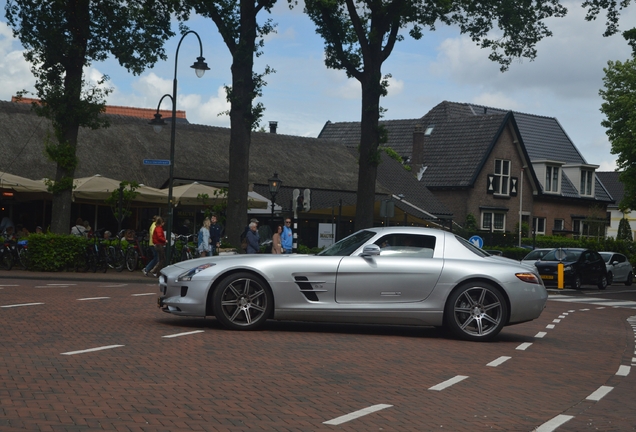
581	266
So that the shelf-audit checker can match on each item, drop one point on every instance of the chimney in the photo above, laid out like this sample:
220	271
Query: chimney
417	154
272	126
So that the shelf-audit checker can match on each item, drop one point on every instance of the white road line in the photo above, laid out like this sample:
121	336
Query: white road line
357	414
602	307
562	316
550	326
144	294
93	298
113	286
441	386
571	311
540	335
182	334
49	286
633	359
23	304
8	285
66	284
556	321
553	424
623	370
498	361
92	350
600	393
583	310
524	346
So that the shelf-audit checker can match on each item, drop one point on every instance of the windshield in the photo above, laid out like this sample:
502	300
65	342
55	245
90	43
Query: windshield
606	256
536	255
570	255
471	247
347	245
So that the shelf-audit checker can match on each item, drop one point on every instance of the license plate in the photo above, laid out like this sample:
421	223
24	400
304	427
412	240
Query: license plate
548	277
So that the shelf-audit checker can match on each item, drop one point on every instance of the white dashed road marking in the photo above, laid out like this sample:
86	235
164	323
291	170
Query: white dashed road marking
357	414
92	350
144	294
93	298
540	335
600	393
498	361
23	304
550	326
113	286
551	425
524	346
623	370
448	383
183	334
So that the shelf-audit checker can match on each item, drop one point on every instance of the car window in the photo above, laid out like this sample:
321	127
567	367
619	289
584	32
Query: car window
535	255
471	247
607	257
407	244
348	245
618	257
570	255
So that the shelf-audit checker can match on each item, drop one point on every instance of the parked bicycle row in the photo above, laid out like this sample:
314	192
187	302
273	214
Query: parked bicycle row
127	250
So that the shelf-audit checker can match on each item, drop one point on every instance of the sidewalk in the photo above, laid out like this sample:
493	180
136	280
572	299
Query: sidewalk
110	276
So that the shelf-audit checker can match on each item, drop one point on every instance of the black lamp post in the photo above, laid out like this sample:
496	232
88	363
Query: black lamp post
274	186
200	66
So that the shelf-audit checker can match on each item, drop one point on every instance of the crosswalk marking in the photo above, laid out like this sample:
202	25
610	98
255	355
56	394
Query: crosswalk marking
595	301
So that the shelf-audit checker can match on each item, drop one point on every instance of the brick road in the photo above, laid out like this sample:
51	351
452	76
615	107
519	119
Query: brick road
293	376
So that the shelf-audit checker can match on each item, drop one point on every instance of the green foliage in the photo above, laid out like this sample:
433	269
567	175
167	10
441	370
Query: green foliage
302	249
619	108
128	194
54	252
471	222
624	231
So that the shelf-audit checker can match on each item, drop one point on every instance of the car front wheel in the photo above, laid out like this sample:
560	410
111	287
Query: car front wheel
602	282
242	301
476	311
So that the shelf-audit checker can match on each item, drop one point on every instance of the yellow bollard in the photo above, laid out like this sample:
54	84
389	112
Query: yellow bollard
560	276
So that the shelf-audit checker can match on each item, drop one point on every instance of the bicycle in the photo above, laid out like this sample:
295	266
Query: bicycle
115	256
138	252
187	252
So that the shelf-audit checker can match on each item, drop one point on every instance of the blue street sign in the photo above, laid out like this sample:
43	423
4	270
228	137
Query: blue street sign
477	241
163	162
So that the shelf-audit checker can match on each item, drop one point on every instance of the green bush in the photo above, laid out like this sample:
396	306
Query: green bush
54	252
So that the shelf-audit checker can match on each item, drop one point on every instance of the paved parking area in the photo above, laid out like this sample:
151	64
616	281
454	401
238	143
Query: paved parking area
80	355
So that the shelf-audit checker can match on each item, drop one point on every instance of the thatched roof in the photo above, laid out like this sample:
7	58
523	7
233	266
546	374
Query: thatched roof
201	153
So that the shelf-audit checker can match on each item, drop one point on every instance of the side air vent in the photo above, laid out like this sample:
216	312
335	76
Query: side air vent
306	288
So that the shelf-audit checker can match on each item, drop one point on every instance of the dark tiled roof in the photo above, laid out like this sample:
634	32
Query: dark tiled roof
613	185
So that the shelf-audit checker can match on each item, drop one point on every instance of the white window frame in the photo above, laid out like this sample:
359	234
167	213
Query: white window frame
587	183
562	223
552	184
538	228
502	174
495	219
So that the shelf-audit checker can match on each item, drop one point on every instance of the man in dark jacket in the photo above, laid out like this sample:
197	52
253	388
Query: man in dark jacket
253	239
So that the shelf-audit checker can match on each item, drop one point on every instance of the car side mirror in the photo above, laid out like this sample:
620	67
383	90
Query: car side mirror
615	263
370	250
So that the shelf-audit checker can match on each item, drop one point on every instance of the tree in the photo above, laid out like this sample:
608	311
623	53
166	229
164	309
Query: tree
236	22
62	38
121	199
624	230
619	94
360	35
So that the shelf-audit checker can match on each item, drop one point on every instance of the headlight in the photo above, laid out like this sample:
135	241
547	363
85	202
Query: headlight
188	275
567	268
528	277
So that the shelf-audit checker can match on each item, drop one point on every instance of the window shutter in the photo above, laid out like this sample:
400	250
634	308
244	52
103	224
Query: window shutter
513	186
491	184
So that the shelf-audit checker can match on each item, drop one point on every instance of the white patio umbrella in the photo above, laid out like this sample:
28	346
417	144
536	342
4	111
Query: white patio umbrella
188	194
20	184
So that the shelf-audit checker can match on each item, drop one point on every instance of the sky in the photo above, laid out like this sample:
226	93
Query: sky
303	94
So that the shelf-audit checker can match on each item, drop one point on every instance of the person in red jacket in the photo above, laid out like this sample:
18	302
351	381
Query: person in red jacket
159	240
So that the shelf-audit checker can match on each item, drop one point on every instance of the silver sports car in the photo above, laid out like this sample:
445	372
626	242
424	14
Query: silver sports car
396	275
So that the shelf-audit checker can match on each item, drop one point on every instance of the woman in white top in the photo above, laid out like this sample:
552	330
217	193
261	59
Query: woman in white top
204	246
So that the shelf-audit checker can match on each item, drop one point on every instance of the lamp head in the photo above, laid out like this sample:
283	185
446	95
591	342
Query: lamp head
157	122
200	66
274	184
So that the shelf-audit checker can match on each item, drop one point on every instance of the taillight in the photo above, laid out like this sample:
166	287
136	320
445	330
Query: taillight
528	277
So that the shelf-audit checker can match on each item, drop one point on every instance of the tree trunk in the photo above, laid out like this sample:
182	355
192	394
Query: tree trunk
369	142
241	124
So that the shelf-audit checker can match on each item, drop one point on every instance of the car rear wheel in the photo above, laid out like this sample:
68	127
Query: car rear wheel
242	301
602	282
610	278
476	311
576	282
630	279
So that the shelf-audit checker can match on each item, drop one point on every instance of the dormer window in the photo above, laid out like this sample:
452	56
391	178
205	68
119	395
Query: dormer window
502	177
587	179
551	178
429	130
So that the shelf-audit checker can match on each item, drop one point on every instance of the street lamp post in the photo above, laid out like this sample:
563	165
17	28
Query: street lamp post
200	66
274	186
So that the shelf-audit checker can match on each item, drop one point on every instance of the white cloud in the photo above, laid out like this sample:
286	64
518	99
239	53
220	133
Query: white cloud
206	112
395	87
496	100
15	73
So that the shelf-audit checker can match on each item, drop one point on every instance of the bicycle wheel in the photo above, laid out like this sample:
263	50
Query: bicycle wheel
119	259
102	260
92	260
132	257
23	256
6	260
